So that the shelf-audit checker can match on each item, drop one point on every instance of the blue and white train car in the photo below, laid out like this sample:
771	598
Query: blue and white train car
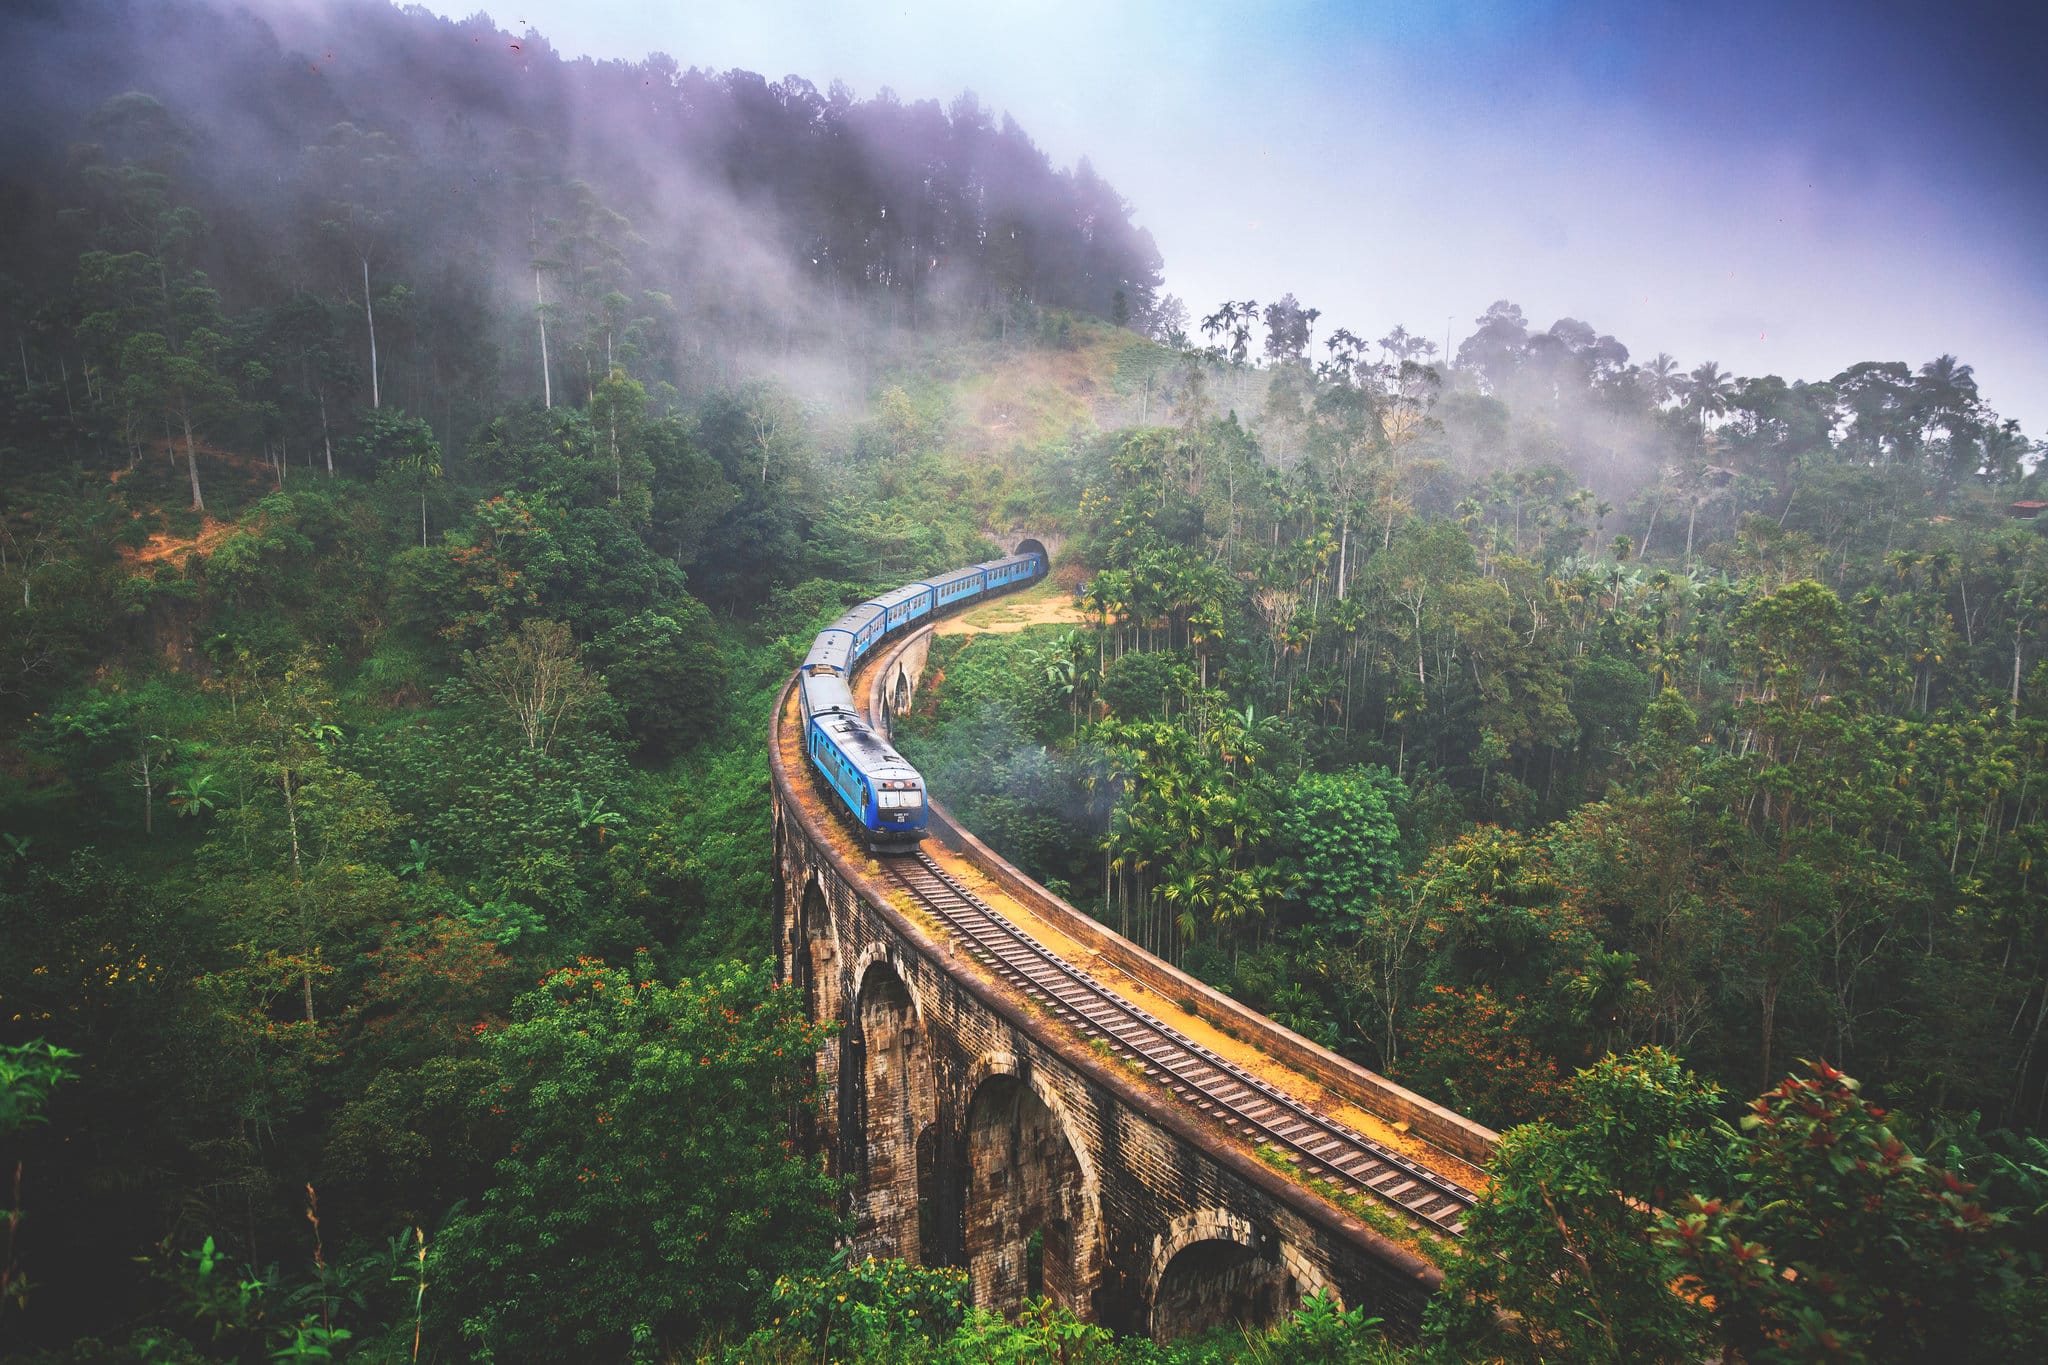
1001	573
832	651
875	784
867	777
958	588
865	624
912	602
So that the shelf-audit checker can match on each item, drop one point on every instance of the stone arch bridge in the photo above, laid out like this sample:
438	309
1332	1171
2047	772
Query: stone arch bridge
983	1128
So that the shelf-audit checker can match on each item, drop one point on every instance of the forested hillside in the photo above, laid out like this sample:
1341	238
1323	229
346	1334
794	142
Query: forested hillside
418	454
422	459
369	206
1728	686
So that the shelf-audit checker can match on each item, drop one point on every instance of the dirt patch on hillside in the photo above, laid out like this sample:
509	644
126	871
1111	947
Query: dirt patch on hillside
1040	606
163	546
1039	394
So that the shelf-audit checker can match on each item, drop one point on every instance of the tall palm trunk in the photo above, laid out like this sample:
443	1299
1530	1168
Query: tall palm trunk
191	456
370	318
547	384
291	812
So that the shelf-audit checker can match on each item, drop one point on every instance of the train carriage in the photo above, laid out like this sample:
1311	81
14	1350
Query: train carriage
1001	573
831	651
876	785
871	782
825	694
865	623
957	588
912	602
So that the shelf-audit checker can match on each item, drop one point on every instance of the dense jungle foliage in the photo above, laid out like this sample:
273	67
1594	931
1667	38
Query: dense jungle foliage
414	491
1402	744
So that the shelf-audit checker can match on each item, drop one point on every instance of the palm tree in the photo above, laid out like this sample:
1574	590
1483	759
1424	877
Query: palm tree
1233	320
1055	661
1945	396
1709	390
1661	379
1699	492
594	814
196	795
1946	387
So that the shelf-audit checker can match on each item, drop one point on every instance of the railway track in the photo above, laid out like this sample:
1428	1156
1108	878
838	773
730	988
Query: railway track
1211	1084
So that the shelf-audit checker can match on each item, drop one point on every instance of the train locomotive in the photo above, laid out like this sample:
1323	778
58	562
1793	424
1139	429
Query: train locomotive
863	774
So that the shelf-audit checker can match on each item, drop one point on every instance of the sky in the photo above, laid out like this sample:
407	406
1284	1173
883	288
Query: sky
1783	188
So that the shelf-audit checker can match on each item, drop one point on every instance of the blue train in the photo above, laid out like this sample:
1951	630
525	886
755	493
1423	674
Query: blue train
870	781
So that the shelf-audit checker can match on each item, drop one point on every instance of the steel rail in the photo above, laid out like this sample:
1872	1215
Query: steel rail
1214	1085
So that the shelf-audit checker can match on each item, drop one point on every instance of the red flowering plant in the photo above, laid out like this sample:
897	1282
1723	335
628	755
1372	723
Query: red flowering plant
1839	1243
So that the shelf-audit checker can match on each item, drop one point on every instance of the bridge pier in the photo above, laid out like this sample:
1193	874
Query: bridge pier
896	1105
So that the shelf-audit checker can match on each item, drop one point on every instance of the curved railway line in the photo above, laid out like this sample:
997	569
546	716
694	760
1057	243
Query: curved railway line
1213	1085
1020	940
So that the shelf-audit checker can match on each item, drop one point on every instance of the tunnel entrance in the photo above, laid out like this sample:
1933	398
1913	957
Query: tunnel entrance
1220	1283
1024	1199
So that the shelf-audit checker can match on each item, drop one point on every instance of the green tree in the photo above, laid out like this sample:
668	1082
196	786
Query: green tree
294	862
1557	1261
664	667
28	1073
618	413
357	173
647	1188
536	678
181	384
1346	829
866	1310
1708	392
1466	1050
1497	912
402	449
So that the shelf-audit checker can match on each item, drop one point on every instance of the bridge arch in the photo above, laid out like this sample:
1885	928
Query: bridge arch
894	1099
883	958
1031	1203
1213	1268
814	951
